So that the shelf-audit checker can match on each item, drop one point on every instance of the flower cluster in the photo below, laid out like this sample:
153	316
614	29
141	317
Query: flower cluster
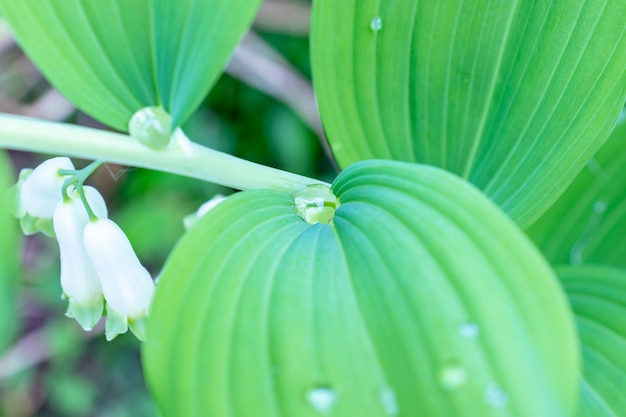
99	269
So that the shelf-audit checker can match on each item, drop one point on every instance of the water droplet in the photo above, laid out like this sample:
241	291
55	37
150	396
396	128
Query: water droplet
453	377
575	257
152	127
390	404
316	204
376	24
599	207
322	399
597	170
622	116
495	396
469	330
577	251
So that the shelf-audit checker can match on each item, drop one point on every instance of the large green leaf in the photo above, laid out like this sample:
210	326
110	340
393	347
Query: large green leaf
116	57
8	258
598	297
587	224
516	96
420	299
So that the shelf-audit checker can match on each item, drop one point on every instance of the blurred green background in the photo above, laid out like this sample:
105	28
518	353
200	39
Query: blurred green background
262	110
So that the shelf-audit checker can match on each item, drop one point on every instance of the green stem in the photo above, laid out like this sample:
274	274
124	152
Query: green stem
83	198
183	158
81	175
77	180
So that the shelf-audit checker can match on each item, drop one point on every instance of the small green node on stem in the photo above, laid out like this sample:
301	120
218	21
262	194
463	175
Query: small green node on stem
152	126
77	180
316	203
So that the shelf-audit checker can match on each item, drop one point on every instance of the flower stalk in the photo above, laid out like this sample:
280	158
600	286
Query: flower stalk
76	181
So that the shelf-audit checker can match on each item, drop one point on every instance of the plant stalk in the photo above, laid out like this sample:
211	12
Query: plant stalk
183	157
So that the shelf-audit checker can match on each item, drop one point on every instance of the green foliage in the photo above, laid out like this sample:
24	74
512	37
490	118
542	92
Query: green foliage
381	313
419	297
115	58
9	259
598	297
514	96
587	224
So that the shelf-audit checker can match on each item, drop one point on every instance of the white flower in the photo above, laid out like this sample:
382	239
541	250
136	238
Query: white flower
126	284
193	218
41	191
79	280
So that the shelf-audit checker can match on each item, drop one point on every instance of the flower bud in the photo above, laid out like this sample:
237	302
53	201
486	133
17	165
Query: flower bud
190	220
41	191
126	284
29	224
79	280
14	194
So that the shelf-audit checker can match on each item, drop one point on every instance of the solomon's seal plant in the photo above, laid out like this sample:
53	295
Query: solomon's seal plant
98	263
126	284
80	282
447	270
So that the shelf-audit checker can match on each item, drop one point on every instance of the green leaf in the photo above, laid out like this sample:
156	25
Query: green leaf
97	54
8	258
194	40
587	224
116	57
515	96
420	299
598	297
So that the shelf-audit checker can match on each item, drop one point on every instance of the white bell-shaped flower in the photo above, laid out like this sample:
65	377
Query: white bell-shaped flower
41	191
190	220
126	284
79	280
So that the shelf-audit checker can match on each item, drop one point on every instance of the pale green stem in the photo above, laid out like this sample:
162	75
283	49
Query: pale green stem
183	157
77	180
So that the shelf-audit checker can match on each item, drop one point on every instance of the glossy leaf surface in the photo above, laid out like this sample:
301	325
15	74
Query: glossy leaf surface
587	224
516	96
421	298
8	258
598	297
116	57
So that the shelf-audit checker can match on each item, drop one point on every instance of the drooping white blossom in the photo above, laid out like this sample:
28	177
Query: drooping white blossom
79	280
41	191
127	286
99	269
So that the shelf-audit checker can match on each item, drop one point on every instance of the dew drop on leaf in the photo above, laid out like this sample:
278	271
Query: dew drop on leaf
453	377
599	207
598	210
495	396
388	399
376	24
152	127
596	169
322	398
316	204
469	330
